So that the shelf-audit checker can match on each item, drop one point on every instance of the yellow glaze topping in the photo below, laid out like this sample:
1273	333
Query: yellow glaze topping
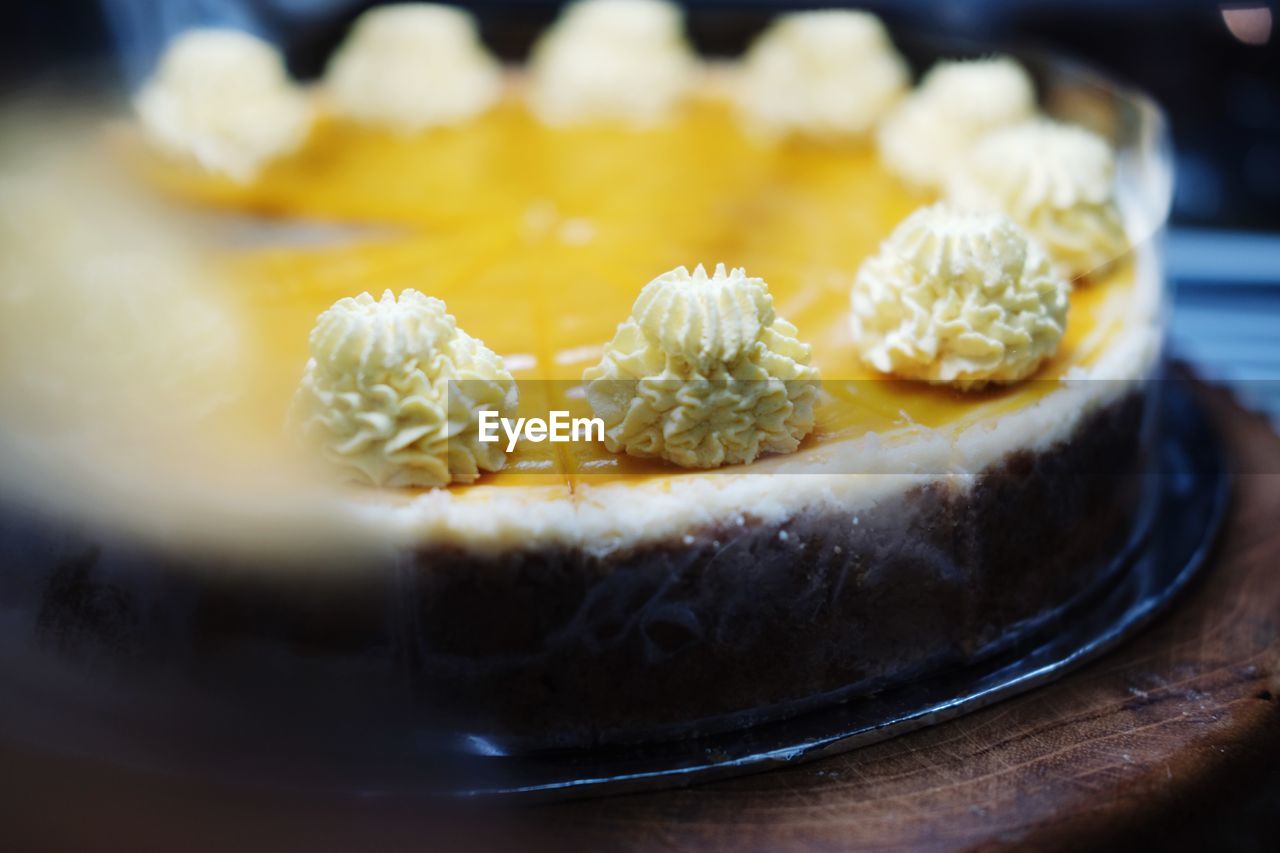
703	373
1057	181
392	392
536	237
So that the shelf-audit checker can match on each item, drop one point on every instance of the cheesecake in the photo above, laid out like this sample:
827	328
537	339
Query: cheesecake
902	431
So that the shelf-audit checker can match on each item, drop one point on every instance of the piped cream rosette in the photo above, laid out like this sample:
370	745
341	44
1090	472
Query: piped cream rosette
223	100
928	134
828	74
612	60
960	298
1055	180
703	373
412	66
392	393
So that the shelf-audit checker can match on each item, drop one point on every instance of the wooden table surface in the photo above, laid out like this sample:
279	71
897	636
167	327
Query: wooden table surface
1174	737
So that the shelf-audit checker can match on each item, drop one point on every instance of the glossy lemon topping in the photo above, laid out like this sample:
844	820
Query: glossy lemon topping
620	60
958	297
829	73
223	99
1057	181
703	373
411	66
930	131
536	237
392	392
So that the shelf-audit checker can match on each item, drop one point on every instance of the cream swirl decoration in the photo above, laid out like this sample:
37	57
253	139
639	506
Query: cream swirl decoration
929	132
1055	180
612	60
393	389
830	74
958	297
223	99
412	66
703	373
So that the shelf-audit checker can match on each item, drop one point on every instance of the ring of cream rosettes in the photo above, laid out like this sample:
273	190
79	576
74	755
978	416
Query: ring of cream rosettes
702	373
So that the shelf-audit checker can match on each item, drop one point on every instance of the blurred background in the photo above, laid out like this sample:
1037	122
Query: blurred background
1212	65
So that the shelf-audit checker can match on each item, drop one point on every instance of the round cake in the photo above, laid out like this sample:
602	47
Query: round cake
863	370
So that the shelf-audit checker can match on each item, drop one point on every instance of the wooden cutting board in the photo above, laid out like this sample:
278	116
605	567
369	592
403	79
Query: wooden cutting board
1175	736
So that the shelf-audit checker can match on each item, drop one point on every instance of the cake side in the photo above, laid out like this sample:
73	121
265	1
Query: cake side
744	624
723	626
